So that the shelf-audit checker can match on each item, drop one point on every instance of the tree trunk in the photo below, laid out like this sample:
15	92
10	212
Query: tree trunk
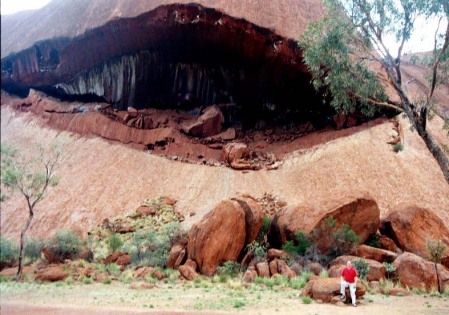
22	243
431	144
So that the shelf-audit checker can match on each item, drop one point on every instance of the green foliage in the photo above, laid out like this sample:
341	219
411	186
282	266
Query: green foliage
301	280
33	249
299	245
362	268
64	245
398	147
373	240
344	240
230	268
258	250
149	248
114	242
390	268
324	274
306	299
435	249
335	63
8	251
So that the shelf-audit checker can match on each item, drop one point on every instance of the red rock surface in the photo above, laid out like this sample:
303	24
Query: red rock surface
412	227
415	272
52	274
326	289
219	237
380	255
376	271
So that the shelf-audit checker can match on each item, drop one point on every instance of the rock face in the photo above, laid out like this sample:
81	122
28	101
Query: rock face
326	289
362	216
411	227
415	272
219	237
253	217
380	255
143	61
208	124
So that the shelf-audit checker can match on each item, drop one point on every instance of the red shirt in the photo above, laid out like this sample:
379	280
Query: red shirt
349	274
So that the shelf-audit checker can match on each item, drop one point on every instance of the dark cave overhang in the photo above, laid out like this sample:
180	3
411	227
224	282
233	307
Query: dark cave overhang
173	56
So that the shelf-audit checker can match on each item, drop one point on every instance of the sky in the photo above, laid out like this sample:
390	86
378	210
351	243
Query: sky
13	6
421	41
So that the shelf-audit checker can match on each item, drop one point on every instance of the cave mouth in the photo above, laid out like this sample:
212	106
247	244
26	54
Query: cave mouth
176	57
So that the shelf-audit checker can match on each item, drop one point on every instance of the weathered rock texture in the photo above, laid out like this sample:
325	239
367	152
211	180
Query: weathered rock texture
362	216
415	272
219	237
376	271
326	289
411	227
173	56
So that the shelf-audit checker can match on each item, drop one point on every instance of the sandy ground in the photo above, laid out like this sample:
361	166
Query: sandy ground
100	179
118	298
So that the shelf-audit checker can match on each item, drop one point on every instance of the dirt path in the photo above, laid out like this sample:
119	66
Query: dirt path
199	298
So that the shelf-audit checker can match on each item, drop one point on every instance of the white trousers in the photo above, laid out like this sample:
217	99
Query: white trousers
352	287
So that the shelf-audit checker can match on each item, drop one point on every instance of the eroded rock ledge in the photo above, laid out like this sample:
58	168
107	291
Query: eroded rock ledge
176	56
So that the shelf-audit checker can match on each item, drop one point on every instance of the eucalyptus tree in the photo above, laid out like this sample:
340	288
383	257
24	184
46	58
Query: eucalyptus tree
31	175
347	50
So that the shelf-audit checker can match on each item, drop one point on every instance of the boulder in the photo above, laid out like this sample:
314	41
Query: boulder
273	266
376	271
188	272
52	274
415	272
388	244
328	288
335	271
86	254
121	259
249	276
285	270
124	260
411	227
234	152
176	255
145	210
274	253
253	217
263	270
218	237
169	201
362	215
314	267
207	125
380	255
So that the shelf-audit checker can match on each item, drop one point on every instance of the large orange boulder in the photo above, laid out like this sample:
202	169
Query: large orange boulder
233	152
378	254
411	227
253	217
52	274
220	236
326	289
415	272
362	215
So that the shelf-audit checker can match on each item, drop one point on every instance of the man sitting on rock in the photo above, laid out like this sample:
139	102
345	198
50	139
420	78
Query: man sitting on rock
349	279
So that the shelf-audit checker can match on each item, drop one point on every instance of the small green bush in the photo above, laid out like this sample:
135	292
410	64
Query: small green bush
64	245
362	268
299	245
398	147
9	252
324	274
230	268
150	248
390	268
300	281
33	249
114	242
306	299
373	240
435	250
107	281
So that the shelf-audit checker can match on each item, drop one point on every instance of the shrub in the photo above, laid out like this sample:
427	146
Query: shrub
344	241
362	268
299	245
301	280
373	240
114	242
230	268
398	147
324	274
306	299
390	268
64	245
435	250
9	252
33	249
258	250
149	248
